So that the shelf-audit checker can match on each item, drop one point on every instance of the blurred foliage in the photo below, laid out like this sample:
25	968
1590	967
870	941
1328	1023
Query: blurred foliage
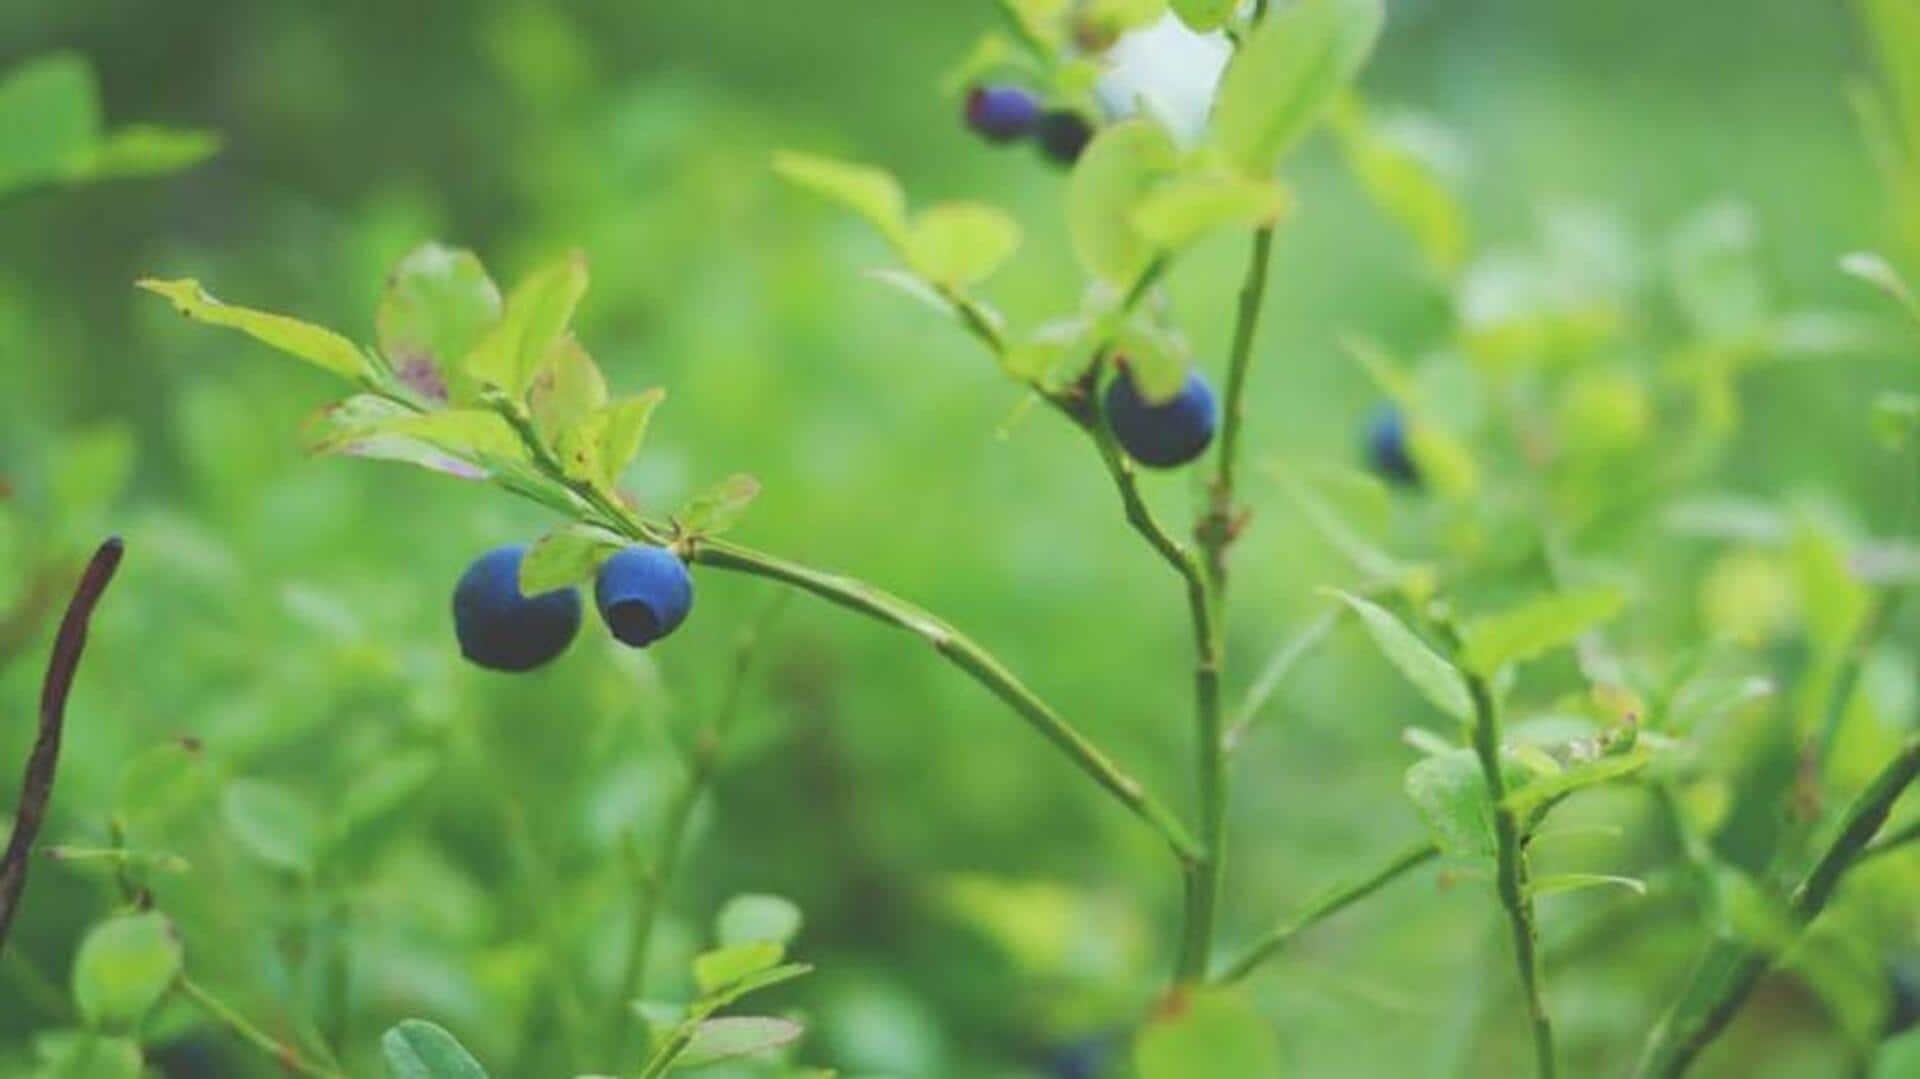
1589	248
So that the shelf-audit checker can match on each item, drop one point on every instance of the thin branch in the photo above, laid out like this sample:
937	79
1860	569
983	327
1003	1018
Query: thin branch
42	762
285	1055
1329	903
961	651
1729	971
1221	524
702	760
1892	841
1511	866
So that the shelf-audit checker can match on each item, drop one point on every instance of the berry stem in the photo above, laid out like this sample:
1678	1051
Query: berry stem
1329	903
1730	970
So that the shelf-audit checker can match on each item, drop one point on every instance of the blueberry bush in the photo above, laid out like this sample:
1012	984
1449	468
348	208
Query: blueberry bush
1540	701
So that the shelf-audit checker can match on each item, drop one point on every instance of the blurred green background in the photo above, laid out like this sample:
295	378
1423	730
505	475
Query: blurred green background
973	907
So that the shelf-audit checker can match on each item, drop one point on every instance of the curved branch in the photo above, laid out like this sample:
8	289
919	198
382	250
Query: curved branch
1329	903
1730	970
36	790
961	651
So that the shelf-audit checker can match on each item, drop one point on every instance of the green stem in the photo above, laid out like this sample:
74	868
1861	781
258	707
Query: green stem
1730	970
703	758
284	1055
1218	527
961	651
1511	867
1328	904
1892	842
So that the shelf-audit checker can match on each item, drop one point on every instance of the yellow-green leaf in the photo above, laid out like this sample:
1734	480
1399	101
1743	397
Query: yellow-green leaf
1537	627
538	314
1205	15
1206	1034
1180	212
438	303
566	556
1435	678
870	192
959	244
124	966
1119	168
315	344
1286	74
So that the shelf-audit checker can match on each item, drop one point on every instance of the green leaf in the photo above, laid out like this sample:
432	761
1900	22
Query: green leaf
1404	184
159	786
1115	173
751	917
1898	1057
1575	777
725	966
1450	791
715	1040
1042	22
49	119
417	1049
85	1054
389	784
438	304
1435	678
1574	882
752	983
272	825
1206	1034
566	556
142	150
1287	73
870	192
1875	270
377	429
513	351
1157	358
599	448
720	507
570	388
956	245
1179	213
315	344
1537	627
124	966
1205	15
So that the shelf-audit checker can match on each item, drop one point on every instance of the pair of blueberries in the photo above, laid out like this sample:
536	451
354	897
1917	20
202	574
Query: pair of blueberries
1001	114
643	593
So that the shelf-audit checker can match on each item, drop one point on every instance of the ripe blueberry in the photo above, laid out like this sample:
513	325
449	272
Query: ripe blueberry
1167	434
1002	113
502	630
644	594
1063	133
1387	447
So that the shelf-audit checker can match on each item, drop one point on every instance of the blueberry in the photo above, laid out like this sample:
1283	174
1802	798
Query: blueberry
644	594
1002	113
1387	447
1063	133
502	630
1167	434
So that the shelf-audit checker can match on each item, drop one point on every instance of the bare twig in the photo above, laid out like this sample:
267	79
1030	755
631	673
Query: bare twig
37	788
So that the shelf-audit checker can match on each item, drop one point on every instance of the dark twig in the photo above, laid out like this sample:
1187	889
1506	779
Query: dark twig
37	788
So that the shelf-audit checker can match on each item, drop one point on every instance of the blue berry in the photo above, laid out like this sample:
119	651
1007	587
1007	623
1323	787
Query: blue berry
1168	434
1002	113
644	594
502	630
1063	134
1387	447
